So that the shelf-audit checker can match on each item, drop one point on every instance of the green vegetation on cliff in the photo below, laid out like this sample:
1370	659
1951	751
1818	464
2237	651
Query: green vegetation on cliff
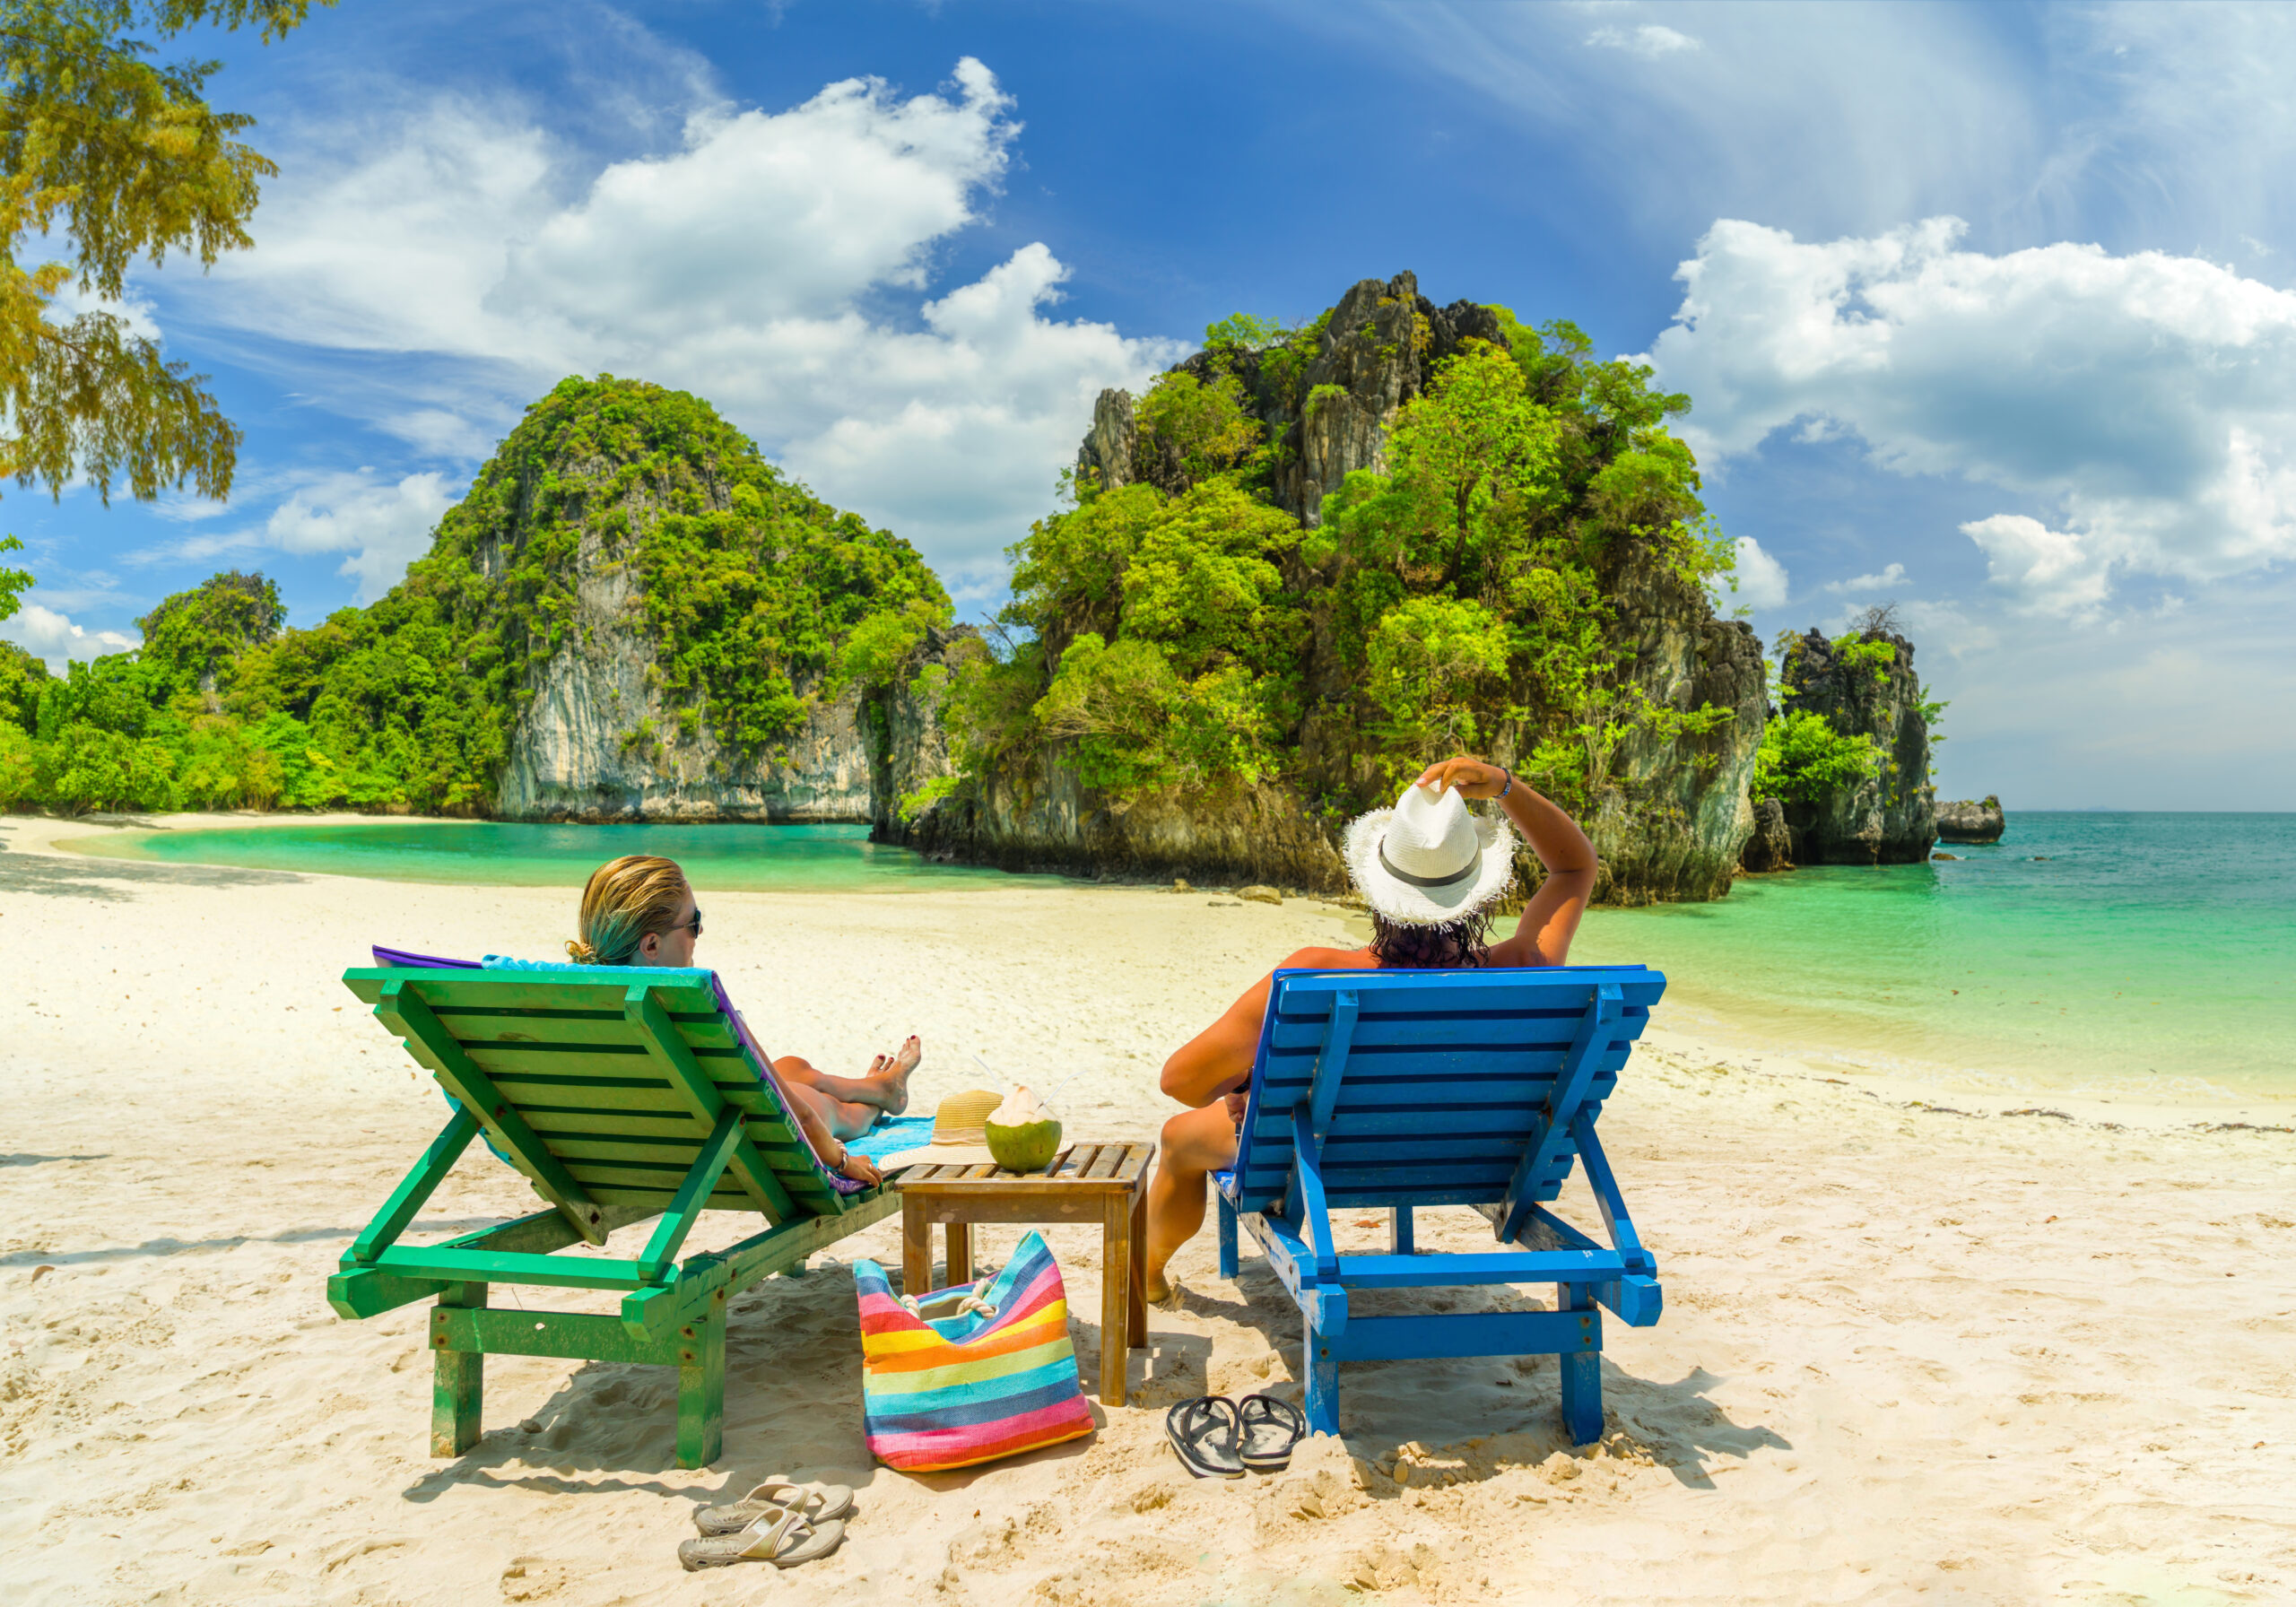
757	598
1185	632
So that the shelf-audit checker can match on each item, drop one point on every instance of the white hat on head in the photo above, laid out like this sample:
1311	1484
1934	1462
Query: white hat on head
1427	860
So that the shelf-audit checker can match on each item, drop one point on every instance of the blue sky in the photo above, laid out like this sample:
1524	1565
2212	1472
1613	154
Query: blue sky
1985	310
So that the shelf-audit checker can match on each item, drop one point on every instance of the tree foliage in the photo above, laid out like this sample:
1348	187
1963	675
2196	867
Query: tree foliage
757	599
121	157
1803	759
1183	633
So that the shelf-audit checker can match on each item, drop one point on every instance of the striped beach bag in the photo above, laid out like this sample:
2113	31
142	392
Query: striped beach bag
995	1378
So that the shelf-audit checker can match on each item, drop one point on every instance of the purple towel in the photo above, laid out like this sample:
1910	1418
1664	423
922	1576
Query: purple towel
764	1061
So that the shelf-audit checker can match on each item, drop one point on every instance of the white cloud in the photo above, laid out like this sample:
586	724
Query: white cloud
1894	574
52	635
380	527
1651	39
769	264
2055	572
2150	399
1761	578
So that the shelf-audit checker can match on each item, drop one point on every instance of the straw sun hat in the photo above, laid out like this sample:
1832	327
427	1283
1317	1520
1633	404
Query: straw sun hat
1427	860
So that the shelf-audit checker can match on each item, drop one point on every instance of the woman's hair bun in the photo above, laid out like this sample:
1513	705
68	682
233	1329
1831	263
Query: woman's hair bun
581	952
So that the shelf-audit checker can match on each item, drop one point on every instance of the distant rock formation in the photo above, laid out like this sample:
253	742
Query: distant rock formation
1968	822
1772	845
1891	818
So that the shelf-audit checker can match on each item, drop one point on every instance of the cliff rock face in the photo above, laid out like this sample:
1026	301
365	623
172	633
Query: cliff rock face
1670	827
1046	820
1674	826
1968	822
1890	818
609	484
1382	345
599	741
1771	847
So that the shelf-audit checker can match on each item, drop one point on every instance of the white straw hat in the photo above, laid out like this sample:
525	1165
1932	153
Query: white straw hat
1428	859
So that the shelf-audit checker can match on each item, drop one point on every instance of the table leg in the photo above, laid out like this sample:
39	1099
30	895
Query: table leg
960	1254
1116	1298
916	1249
1138	1278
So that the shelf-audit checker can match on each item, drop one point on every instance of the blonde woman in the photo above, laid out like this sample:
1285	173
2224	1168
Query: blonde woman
640	910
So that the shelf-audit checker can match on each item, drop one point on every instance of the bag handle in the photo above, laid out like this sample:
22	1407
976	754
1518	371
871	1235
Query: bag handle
967	1299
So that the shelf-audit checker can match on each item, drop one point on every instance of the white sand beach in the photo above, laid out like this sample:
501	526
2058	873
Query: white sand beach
2011	1352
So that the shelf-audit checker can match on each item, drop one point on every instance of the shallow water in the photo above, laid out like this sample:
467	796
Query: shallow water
501	854
2127	952
2121	952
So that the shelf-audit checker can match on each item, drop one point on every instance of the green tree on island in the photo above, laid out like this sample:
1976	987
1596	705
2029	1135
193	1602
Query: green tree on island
1184	632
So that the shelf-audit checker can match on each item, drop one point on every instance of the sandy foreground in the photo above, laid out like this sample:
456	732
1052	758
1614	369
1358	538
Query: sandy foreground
1909	1352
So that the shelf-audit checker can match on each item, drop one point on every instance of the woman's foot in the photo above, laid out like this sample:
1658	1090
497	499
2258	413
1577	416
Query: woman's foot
889	1074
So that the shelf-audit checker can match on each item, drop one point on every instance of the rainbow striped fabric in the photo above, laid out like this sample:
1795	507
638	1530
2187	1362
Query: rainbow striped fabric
956	1391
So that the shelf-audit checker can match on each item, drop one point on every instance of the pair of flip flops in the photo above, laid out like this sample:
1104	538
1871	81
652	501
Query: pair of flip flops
780	1521
1219	1439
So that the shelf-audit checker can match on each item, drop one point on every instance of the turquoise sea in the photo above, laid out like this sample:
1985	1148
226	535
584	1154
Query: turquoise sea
741	858
2136	953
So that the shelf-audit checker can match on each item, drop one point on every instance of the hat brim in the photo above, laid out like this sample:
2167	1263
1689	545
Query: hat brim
1400	902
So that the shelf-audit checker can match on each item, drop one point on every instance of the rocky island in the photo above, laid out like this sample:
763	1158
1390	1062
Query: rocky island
1307	559
1296	567
1968	822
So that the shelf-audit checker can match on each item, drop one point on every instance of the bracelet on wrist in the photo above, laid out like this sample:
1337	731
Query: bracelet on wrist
1510	782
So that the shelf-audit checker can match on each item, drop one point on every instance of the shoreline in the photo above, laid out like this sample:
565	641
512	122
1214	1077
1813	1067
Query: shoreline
1710	1033
1897	1357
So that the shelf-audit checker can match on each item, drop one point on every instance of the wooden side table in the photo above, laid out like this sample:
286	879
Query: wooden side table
1107	1182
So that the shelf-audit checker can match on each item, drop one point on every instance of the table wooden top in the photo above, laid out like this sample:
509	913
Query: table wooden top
1081	1168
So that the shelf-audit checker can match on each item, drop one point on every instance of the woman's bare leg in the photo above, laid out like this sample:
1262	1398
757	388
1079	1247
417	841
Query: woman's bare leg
1195	1144
844	1118
883	1087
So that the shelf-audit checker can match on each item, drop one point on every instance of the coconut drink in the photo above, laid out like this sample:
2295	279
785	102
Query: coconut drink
1022	1134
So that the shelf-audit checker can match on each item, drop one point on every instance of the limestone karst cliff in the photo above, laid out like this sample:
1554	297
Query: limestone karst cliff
1891	817
692	657
1668	805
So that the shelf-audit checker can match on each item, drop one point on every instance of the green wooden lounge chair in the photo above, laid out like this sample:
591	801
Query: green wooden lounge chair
621	1093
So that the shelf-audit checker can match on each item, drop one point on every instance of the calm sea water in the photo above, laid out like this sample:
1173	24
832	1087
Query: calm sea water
2136	952
743	858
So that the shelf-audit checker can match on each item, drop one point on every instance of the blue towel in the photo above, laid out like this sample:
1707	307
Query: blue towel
892	1134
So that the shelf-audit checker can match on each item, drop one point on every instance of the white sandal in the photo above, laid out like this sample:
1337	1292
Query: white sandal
784	1540
816	1503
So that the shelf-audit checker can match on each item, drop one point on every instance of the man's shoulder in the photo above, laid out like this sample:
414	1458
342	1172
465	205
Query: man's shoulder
1331	959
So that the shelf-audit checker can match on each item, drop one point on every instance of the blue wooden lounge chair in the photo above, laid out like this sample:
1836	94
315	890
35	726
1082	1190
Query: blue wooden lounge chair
1404	1088
621	1093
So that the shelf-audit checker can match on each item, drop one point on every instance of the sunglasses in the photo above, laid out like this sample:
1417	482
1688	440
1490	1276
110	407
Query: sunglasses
694	923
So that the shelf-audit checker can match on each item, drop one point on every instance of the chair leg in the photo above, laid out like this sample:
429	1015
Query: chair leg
701	1389
1227	1238
458	1384
1401	1239
1582	1370
1136	1275
1323	1383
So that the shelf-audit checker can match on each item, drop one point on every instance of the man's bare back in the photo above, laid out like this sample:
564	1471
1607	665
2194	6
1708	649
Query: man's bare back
1208	1073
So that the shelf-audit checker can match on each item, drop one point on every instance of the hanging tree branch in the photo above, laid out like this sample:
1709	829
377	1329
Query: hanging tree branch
123	158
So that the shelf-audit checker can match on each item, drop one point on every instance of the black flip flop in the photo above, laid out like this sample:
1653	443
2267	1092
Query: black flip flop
1269	1429
1203	1431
